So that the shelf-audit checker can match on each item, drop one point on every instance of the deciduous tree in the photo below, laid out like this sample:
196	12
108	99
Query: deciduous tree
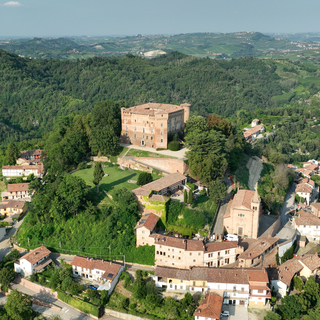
97	174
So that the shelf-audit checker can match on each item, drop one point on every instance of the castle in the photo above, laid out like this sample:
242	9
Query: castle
150	124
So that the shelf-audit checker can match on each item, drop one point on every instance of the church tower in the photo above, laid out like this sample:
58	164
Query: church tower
256	211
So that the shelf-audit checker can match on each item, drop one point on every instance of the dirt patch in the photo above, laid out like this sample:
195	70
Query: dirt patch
256	314
122	290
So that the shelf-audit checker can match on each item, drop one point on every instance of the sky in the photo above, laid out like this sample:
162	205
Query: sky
52	18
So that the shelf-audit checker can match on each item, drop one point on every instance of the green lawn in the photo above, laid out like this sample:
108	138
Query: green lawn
116	179
142	153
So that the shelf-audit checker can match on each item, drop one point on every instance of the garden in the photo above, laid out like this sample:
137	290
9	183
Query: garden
142	298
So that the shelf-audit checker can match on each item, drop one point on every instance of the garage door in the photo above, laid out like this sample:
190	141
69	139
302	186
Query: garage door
251	303
260	304
242	303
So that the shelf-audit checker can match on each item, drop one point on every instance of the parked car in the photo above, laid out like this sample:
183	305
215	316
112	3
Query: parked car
93	287
225	313
231	237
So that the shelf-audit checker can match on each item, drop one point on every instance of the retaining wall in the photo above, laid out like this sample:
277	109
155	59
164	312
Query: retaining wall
37	288
120	315
283	247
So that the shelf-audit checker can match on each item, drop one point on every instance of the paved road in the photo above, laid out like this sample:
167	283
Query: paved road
255	170
180	154
218	226
287	205
5	247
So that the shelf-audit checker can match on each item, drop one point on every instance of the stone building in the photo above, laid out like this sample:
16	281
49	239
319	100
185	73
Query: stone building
145	228
242	214
151	123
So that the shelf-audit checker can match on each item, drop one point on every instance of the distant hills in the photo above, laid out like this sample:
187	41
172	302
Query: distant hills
212	45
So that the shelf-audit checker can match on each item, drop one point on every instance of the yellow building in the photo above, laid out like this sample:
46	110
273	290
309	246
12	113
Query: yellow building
12	207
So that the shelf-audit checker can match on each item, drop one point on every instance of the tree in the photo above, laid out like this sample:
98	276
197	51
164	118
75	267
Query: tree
190	198
311	290
6	276
289	308
12	154
97	174
185	196
144	178
298	283
271	316
217	191
18	306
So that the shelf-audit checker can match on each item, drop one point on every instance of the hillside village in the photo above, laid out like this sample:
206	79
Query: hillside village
253	263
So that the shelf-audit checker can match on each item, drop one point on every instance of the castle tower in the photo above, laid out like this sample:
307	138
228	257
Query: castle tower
256	209
186	107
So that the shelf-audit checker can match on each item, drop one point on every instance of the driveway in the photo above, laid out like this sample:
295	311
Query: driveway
180	154
236	312
287	205
5	247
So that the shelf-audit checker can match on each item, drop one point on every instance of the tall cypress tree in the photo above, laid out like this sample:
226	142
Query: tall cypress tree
185	196
97	174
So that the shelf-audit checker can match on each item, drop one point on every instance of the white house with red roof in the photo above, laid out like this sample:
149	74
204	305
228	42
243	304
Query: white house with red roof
145	228
308	225
34	261
209	308
105	272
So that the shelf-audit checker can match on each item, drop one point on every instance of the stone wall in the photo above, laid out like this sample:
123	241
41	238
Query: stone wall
45	292
120	315
283	247
100	159
146	164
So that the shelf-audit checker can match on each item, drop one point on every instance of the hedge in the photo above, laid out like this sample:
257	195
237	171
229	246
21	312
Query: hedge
79	304
174	145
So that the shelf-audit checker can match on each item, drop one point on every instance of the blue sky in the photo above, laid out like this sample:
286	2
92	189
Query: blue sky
40	18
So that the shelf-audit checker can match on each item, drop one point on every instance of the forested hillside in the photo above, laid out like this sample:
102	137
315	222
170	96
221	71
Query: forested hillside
33	93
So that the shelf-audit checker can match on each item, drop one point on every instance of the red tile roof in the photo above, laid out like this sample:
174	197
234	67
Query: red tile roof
153	108
160	184
36	255
186	244
306	219
16	187
242	199
258	248
148	220
110	268
218	246
303	188
210	307
252	131
12	204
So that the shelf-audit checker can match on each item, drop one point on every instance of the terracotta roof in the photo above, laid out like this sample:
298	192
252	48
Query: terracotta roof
186	244
38	167
210	307
12	204
218	246
252	131
148	220
303	188
214	275
258	248
306	219
242	199
15	187
255	120
158	197
312	261
287	270
153	108
160	184
311	167
111	268
308	181
316	205
36	255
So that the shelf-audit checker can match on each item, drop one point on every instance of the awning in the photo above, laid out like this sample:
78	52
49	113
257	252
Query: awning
42	265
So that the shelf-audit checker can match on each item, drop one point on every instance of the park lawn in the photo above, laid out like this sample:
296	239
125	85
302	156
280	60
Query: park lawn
116	179
143	153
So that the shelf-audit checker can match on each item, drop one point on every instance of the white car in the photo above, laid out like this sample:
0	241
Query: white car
225	313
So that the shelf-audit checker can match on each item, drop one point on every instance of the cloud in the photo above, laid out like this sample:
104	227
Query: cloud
12	4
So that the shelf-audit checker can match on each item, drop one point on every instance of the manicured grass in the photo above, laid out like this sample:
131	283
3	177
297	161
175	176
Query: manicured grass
116	179
142	153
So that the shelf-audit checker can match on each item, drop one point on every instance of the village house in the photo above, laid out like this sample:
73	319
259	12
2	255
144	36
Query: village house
209	308
145	229
254	132
256	252
255	122
305	189
237	286
16	191
184	253
34	261
150	124
12	207
307	224
30	157
106	272
315	208
23	170
242	214
305	266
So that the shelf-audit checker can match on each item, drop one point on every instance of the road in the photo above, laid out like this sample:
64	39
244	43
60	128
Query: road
218	226
255	170
180	154
287	205
5	247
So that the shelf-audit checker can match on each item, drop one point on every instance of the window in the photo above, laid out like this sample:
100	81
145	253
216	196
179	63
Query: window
194	283
227	252
161	133
126	133
143	136
98	272
234	288
260	291
157	252
126	127
169	249
190	253
161	124
172	250
151	130
143	130
135	120
143	121
179	258
242	289
147	137
172	257
199	254
151	138
168	255
161	140
226	261
135	129
194	260
218	254
181	287
135	135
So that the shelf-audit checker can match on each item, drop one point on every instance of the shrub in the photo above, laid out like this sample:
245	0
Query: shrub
90	293
191	186
298	283
194	218
34	277
173	211
144	178
132	306
174	145
82	166
79	304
